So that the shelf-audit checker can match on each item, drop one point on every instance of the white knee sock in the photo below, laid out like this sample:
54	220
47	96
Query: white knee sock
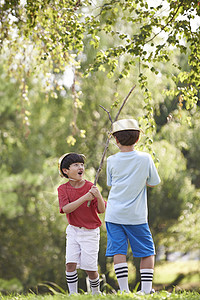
95	285
72	282
121	271
146	280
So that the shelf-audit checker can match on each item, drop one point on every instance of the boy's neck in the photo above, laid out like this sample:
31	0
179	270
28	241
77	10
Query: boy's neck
77	183
125	148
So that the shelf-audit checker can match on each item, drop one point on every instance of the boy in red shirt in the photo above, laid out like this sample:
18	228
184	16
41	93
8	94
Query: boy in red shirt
83	234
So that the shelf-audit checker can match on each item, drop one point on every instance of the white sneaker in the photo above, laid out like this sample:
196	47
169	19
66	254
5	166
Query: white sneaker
141	293
97	293
73	293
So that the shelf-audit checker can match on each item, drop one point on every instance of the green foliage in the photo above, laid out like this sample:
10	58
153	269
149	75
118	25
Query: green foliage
186	228
168	199
162	295
56	33
183	136
9	286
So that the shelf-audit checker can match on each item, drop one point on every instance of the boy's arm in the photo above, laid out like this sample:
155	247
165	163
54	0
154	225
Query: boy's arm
96	193
153	177
70	207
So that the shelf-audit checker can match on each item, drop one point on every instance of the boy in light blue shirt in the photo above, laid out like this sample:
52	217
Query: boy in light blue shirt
129	172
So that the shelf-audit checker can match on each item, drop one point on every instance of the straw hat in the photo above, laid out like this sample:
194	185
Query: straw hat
125	124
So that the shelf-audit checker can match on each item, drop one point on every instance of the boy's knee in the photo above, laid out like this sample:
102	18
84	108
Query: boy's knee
92	274
70	267
150	257
147	262
119	258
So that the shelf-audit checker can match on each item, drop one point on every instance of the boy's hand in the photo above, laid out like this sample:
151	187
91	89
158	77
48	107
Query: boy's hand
101	204
90	196
94	191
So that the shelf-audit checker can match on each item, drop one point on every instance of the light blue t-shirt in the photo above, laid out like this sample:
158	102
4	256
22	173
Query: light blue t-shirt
127	174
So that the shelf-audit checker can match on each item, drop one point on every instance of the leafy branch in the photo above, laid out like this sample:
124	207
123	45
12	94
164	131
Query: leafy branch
163	27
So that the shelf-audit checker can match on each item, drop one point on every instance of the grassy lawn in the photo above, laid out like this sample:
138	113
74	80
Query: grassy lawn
157	296
185	273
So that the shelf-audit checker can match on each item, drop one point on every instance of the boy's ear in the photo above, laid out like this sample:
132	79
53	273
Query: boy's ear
65	171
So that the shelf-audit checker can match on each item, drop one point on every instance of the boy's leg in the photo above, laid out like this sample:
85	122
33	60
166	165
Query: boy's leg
89	241
142	245
94	281
121	271
146	271
117	245
72	278
72	259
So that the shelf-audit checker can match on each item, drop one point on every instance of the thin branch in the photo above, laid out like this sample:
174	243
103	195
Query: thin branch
124	102
109	136
102	159
166	24
102	7
107	113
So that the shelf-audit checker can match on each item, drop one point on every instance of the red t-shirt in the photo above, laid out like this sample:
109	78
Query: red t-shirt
83	216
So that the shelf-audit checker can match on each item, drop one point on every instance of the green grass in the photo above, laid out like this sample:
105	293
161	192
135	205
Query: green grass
184	273
163	295
165	274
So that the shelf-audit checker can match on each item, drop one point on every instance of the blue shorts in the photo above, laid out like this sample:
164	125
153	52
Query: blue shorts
139	237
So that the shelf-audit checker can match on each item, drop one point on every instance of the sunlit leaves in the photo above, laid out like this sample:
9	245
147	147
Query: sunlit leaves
49	35
71	140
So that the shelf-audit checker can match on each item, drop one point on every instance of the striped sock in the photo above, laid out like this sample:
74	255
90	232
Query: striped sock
72	282
95	285
146	280
121	271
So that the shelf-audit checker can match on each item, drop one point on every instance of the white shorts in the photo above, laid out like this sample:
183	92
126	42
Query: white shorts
82	247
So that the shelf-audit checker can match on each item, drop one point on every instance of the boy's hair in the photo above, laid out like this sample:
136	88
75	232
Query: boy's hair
127	137
70	159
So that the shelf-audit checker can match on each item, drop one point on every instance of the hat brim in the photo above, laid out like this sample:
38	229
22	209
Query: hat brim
125	124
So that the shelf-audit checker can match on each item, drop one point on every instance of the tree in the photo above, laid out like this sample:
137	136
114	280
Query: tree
54	33
167	201
182	221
